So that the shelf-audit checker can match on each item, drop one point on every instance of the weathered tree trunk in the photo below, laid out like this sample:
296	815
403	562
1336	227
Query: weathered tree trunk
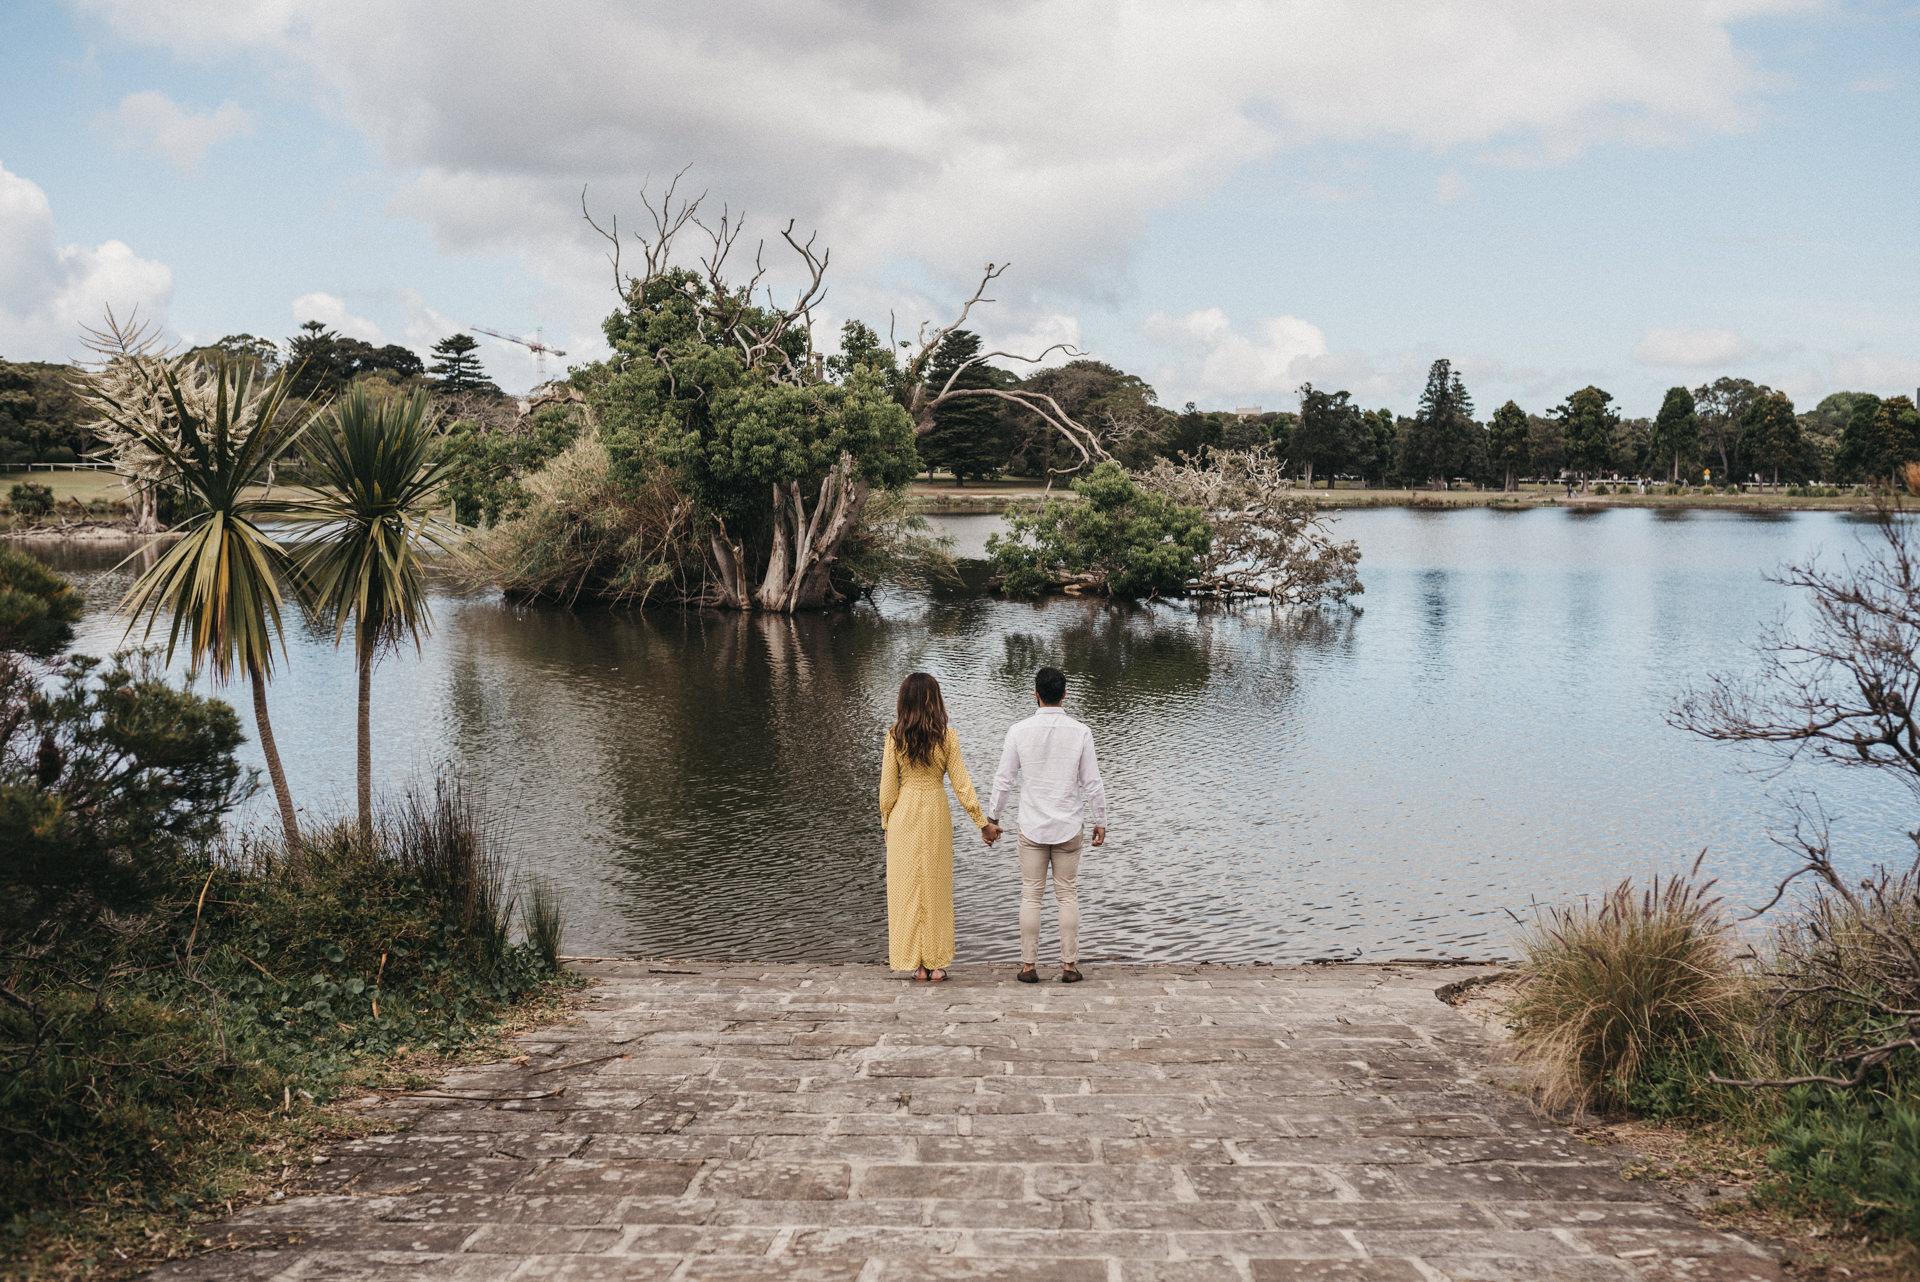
296	854
776	585
726	558
364	782
1309	473
816	585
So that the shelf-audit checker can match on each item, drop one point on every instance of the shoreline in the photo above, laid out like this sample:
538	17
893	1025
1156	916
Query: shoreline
950	502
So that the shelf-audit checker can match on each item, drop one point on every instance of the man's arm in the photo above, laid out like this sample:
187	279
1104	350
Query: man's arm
1094	787
1003	779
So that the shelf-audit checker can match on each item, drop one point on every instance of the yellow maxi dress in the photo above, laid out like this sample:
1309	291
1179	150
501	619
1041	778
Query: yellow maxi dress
913	810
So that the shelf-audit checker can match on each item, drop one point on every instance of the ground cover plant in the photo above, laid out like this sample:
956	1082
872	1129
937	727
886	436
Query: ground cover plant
1804	1042
173	995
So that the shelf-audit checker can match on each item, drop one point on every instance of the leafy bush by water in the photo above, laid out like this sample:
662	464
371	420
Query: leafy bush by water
145	1044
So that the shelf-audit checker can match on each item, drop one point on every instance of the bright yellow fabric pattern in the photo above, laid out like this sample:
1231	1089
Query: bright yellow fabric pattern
913	810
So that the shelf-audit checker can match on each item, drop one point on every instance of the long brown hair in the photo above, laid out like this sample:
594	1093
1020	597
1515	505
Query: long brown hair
922	725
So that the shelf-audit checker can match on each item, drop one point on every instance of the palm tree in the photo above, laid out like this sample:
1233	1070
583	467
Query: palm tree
376	481
215	433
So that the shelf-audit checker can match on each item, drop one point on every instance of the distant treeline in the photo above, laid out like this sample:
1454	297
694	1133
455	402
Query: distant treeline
1732	428
1728	430
43	421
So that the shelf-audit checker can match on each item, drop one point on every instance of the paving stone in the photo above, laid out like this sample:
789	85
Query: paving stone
613	1175
780	1181
1260	1183
1356	1270
838	1123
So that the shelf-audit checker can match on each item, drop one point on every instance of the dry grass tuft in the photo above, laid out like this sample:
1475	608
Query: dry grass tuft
1609	987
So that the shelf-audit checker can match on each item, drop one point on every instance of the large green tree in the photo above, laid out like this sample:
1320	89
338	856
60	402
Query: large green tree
1587	422
1438	442
968	437
1770	437
1857	457
1509	445
320	362
779	459
1896	438
1676	432
1330	435
1722	408
1090	391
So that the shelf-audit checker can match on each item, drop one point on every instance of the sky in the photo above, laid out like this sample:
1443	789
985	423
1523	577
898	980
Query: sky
1229	199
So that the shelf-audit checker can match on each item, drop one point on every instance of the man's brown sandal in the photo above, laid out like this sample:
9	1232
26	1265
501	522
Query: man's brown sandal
1028	975
1070	974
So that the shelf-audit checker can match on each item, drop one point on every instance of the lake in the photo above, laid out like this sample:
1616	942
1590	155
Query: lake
1489	731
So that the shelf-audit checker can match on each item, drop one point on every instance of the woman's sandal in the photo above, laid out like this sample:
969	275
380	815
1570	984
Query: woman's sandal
1070	974
1028	975
936	976
920	975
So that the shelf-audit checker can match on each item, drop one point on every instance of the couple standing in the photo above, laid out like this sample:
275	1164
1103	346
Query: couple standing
1051	756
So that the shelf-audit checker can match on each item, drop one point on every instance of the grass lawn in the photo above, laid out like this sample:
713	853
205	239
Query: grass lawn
84	484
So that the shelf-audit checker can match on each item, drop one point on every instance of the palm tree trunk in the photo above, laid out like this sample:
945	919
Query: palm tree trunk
295	854
365	782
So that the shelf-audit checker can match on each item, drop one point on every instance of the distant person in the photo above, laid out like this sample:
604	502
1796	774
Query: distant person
1051	756
921	753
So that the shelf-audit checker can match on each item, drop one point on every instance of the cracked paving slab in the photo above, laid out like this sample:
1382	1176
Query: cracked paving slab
843	1124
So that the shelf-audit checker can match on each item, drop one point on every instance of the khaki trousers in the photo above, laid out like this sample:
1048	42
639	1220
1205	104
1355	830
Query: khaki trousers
1035	859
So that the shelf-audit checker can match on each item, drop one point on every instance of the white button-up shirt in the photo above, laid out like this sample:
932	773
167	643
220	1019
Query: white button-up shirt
1051	756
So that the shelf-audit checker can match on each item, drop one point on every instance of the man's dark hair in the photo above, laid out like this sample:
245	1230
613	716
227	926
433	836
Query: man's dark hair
1051	685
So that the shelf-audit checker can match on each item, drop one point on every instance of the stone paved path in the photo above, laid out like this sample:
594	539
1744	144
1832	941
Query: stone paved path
1189	1123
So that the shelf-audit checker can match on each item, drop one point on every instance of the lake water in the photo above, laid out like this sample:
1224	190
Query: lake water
1490	730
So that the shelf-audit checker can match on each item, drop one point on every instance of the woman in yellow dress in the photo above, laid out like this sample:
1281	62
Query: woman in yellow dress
921	753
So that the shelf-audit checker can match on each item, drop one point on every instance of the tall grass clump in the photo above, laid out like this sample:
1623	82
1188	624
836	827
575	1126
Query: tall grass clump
541	920
1632	1000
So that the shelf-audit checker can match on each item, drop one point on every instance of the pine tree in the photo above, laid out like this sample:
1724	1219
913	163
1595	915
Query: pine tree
968	438
1439	438
1509	442
457	369
1676	431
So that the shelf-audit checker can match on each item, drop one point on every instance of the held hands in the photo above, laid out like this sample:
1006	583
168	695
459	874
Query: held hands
990	833
1099	836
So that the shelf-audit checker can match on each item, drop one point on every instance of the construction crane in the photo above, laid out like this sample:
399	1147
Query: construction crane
539	349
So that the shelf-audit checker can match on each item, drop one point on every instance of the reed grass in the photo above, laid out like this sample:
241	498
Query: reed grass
541	921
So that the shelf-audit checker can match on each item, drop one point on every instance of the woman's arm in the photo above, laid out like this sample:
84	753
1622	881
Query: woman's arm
962	781
889	780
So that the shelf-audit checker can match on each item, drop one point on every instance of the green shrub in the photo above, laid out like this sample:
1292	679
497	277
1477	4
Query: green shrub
1622	998
1117	540
1849	1155
30	498
243	987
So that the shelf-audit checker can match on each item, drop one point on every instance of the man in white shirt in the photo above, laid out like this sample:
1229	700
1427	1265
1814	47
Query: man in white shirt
1051	756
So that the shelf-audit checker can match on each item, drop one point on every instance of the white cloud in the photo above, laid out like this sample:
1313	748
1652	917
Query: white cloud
332	312
153	123
49	290
1691	348
1213	364
1045	133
